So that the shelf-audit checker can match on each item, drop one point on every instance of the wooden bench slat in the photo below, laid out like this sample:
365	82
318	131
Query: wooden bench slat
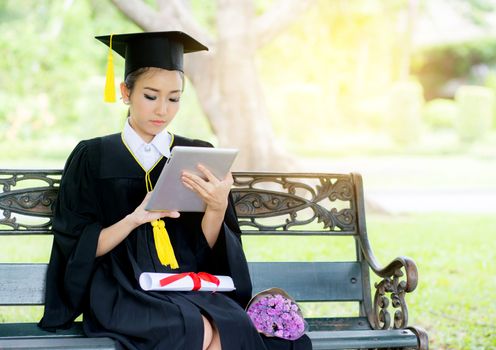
314	281
363	339
59	343
31	330
24	284
321	340
337	323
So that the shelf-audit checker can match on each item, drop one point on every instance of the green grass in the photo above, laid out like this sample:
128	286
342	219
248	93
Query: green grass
455	256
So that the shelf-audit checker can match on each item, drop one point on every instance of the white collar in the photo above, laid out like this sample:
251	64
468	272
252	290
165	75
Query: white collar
161	142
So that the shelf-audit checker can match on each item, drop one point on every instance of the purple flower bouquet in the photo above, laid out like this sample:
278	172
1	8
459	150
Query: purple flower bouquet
275	313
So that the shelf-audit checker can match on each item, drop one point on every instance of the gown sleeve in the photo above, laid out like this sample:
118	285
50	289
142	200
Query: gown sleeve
229	257
76	228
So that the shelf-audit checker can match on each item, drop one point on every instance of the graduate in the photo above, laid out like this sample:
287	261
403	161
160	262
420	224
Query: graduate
104	239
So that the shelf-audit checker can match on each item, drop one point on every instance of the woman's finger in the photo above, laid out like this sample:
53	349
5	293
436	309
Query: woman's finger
195	179
200	189
211	177
162	214
170	214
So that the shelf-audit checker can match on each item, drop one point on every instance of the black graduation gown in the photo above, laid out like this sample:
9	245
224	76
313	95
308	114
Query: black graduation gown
102	183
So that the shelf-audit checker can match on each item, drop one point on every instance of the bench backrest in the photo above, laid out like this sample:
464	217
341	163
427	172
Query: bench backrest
267	204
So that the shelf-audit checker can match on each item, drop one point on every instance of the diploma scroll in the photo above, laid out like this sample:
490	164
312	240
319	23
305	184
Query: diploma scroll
185	282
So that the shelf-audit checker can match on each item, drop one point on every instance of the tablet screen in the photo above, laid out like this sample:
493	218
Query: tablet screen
170	193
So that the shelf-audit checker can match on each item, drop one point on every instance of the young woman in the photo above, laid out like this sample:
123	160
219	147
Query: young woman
104	239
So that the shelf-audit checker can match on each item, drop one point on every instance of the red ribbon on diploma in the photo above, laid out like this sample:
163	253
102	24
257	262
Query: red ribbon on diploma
196	277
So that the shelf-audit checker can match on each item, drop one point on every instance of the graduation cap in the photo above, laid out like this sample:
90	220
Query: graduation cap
149	49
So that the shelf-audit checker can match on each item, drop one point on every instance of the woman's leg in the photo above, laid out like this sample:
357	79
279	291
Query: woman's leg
215	344
207	333
211	337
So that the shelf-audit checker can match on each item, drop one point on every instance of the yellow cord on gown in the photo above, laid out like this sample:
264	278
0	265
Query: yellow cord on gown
163	244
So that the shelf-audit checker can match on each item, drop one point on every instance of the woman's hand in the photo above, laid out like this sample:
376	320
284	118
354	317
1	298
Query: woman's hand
141	216
213	191
111	236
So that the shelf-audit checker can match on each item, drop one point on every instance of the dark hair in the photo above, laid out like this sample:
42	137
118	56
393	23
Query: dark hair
132	78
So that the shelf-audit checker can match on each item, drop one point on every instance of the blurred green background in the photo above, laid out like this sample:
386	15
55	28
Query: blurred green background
402	91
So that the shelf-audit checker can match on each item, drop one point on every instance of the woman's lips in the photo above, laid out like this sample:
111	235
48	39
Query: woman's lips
157	122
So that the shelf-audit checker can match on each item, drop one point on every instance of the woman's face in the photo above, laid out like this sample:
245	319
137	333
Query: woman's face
154	101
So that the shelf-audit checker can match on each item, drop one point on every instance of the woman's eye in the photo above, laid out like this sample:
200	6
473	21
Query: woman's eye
149	97
174	99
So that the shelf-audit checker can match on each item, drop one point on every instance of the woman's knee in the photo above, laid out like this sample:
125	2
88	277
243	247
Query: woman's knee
207	333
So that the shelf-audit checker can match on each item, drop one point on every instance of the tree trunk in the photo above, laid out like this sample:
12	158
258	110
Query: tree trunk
406	39
226	79
244	122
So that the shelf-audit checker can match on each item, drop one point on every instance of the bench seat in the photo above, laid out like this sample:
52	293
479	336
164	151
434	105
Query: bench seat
29	336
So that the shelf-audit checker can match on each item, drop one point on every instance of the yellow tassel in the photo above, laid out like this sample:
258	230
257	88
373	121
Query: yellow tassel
163	244
109	93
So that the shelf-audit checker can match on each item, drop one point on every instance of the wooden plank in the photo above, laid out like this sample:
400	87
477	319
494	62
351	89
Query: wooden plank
35	338
31	330
394	338
310	281
320	340
24	284
334	340
337	323
58	343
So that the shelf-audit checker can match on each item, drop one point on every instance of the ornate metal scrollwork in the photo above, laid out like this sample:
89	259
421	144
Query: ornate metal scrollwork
26	194
255	198
36	202
391	291
267	203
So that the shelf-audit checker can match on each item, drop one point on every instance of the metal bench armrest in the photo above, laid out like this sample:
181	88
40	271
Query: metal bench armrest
398	277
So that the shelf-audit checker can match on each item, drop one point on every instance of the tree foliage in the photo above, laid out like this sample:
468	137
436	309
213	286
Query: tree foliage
326	76
50	70
468	62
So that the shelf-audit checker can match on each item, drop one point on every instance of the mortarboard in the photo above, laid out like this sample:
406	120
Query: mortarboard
149	49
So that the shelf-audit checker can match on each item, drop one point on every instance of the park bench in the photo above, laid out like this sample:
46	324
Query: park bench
328	207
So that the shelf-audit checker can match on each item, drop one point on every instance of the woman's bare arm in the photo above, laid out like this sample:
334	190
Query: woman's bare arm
111	236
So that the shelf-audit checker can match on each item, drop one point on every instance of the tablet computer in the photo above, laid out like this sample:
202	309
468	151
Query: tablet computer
170	193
